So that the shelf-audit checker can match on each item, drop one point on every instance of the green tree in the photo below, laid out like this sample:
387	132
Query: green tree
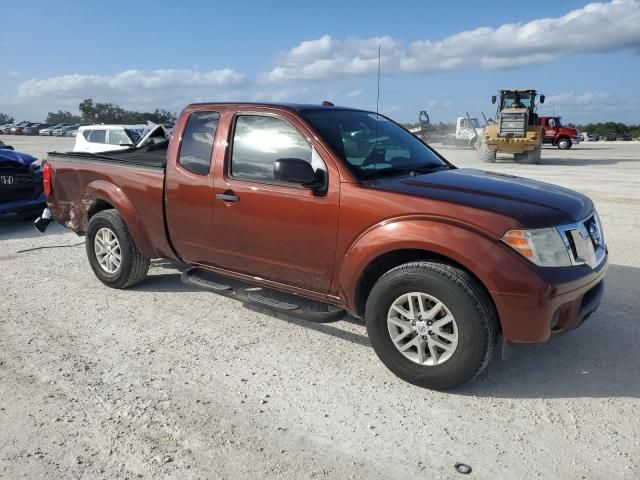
4	118
62	117
93	112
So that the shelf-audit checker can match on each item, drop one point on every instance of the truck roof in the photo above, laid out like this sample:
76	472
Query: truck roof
287	106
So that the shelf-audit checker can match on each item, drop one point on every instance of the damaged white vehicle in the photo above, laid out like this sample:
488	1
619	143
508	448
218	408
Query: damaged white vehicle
109	138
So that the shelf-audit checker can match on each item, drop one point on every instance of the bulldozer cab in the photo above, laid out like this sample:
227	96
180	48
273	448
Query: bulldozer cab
518	99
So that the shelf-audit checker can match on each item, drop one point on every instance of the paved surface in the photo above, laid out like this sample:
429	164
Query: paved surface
165	381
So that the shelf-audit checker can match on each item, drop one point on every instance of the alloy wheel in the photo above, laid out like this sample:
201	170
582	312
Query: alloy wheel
422	328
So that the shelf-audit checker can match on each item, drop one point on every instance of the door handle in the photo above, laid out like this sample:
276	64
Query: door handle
227	197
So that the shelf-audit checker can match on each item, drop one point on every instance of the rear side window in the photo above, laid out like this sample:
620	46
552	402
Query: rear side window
98	136
197	142
258	141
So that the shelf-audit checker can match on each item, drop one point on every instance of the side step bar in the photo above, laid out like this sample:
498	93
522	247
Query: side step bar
305	309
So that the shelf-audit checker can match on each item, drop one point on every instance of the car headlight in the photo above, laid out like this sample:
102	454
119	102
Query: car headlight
542	246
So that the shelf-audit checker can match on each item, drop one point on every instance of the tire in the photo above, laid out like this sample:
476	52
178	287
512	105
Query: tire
520	157
485	154
564	144
132	267
531	157
475	318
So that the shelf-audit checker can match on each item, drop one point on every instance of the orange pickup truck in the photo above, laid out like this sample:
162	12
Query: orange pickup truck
331	211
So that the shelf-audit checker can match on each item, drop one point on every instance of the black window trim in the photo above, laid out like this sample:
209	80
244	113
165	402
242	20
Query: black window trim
231	143
213	146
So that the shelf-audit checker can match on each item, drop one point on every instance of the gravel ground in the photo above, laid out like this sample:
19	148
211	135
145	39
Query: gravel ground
166	381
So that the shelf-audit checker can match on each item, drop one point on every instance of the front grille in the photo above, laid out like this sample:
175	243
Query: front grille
513	125
23	187
585	241
12	167
18	194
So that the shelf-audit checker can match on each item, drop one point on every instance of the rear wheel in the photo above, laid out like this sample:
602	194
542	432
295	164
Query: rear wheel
431	324
113	256
564	144
533	156
485	154
520	157
530	157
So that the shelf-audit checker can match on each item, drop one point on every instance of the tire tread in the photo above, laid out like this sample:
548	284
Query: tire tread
138	263
488	318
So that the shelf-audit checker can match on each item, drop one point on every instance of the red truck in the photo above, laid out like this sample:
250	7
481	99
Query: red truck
332	210
554	133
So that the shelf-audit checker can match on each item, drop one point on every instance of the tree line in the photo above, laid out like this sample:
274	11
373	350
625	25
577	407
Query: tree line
603	128
95	112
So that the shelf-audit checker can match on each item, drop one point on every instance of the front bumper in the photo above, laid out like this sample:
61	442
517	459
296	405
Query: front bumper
535	304
23	206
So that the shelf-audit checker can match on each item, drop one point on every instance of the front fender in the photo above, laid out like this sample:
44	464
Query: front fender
459	242
114	196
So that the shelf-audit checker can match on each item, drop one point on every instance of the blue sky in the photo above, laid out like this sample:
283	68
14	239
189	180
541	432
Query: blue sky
444	57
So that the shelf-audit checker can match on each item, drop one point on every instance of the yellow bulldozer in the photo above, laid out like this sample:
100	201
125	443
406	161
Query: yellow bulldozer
515	129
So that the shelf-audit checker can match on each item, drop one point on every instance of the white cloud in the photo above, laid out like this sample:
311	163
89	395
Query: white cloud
78	85
580	99
327	57
595	28
590	106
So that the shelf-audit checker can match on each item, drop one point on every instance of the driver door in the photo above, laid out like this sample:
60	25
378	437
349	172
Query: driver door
270	229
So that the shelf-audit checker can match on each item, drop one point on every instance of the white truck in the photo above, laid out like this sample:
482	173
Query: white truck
468	130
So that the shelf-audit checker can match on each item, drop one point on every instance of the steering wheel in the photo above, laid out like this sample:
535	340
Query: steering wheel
374	157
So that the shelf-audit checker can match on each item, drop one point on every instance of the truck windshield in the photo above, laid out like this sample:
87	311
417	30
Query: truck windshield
371	145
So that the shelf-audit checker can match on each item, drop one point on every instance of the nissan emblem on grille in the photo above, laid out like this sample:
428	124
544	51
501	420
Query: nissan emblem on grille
6	180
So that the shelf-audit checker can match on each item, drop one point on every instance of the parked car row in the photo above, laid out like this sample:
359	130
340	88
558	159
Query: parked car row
31	128
609	137
58	130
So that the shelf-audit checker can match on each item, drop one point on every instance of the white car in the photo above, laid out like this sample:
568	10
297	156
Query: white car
109	138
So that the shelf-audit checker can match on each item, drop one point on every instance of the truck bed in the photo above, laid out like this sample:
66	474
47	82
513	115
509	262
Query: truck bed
82	183
151	156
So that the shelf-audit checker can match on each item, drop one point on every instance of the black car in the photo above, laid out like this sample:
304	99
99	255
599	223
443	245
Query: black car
611	137
625	137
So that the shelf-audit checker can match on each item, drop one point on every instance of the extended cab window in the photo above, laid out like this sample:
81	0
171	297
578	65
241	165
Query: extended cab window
258	141
197	142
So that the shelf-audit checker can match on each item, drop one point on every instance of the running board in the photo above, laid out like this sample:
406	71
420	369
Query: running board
303	308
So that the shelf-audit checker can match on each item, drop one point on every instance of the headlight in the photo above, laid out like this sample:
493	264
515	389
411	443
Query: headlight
542	246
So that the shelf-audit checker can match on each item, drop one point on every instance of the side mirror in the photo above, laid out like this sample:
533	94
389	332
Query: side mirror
296	170
493	99
542	97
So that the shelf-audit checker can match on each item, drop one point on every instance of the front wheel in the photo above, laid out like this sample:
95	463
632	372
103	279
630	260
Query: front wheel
113	256
564	144
431	324
485	154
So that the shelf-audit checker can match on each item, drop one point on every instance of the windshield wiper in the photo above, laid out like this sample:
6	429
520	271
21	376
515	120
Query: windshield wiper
430	168
409	171
381	172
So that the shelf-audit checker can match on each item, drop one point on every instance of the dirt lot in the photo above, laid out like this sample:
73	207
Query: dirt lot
165	381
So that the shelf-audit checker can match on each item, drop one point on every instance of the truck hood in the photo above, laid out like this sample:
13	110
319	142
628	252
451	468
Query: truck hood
22	159
531	203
